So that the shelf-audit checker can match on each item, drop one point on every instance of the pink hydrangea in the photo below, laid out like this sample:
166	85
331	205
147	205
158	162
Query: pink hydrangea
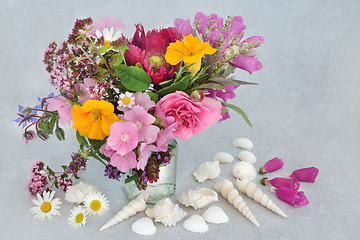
62	106
124	162
123	137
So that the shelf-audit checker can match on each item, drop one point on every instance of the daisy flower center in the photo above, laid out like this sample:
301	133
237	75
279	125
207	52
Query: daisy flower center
95	205
107	44
45	207
96	115
126	100
79	218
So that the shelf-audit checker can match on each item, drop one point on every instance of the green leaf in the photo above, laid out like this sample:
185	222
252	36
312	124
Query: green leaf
81	139
44	126
153	96
132	178
215	86
103	49
76	176
50	171
224	110
228	70
53	120
56	184
64	167
181	85
133	78
238	110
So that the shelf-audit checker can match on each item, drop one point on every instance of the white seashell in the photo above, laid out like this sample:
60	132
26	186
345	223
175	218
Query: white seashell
244	169
134	206
207	170
243	143
227	190
248	187
223	157
196	224
77	193
166	212
144	226
216	215
247	156
198	198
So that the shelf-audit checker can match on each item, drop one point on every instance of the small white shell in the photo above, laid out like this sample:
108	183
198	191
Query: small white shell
243	143
223	157
166	212
247	156
216	215
207	170
244	169
144	226
196	224
77	193
198	198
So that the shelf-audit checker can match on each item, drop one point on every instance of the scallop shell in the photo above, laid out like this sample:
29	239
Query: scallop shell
77	193
223	157
198	198
244	169
247	156
166	212
144	226
243	143
216	215
248	187
207	170
196	224
227	190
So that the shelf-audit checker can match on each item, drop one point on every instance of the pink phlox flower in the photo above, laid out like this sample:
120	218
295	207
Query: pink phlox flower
124	162
63	107
107	150
141	99
305	174
123	137
291	196
145	152
166	133
282	182
143	120
108	22
272	165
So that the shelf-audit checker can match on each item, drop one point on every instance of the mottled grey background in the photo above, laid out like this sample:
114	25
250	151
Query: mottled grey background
304	110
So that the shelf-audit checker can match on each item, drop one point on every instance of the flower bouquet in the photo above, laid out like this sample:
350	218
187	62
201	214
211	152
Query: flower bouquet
129	99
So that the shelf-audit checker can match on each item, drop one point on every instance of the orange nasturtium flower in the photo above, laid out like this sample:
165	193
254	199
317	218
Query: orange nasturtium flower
191	51
94	118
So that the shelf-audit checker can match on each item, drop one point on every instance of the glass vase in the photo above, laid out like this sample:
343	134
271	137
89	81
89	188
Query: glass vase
164	187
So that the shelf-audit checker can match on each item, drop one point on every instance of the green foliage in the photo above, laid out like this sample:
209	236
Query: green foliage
238	110
132	78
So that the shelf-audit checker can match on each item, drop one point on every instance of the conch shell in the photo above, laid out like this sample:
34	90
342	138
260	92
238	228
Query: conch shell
166	212
248	187
244	169
134	206
77	193
198	198
207	170
227	190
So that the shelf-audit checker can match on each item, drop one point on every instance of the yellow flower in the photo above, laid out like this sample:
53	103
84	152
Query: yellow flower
94	118
191	51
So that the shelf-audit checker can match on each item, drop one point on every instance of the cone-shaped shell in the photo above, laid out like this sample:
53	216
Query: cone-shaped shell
144	226
134	206
198	198
207	170
248	187
196	224
77	193
215	215
244	169
243	143
166	212
223	157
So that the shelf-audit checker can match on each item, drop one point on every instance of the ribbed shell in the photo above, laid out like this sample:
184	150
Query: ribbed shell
144	226
215	215
196	224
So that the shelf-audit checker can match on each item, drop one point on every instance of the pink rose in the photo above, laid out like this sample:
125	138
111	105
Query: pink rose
190	117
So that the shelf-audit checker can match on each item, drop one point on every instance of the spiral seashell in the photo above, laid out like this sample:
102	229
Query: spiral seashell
243	143
244	169
227	190
196	224
223	157
198	198
144	226
207	170
248	187
247	156
77	193
166	212
134	206
215	215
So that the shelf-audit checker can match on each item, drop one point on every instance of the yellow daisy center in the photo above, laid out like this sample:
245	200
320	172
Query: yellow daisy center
107	44
126	100
96	115
79	218
45	207
95	205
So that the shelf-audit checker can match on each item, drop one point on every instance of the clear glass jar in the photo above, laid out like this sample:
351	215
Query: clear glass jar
165	185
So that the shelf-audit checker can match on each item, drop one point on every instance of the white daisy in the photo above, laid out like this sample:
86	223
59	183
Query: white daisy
126	100
96	203
108	35
77	217
46	206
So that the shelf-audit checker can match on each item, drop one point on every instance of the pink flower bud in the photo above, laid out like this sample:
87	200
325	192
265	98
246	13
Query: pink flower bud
305	174
272	165
291	196
282	182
